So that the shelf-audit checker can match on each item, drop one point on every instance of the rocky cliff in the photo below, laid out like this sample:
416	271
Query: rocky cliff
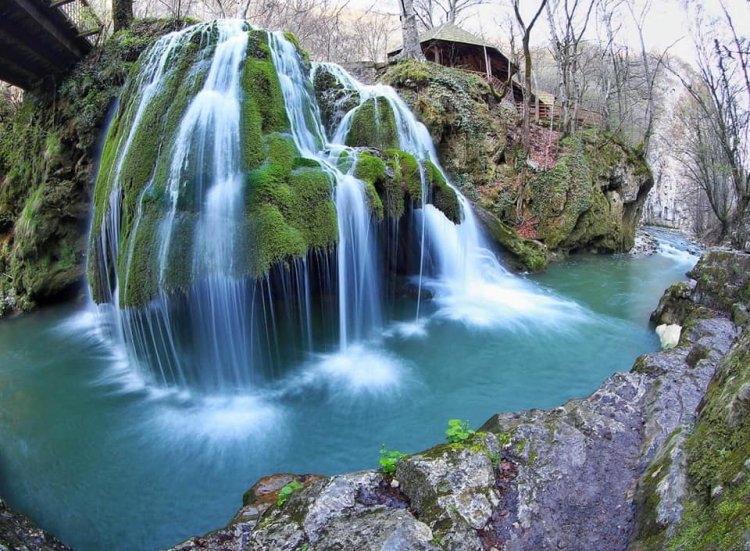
656	458
584	192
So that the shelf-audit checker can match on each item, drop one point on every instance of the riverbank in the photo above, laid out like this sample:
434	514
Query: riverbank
590	474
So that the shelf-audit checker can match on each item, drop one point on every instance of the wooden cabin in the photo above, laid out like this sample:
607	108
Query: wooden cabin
452	46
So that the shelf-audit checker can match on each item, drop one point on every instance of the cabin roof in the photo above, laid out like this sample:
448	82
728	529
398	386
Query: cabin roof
452	33
448	32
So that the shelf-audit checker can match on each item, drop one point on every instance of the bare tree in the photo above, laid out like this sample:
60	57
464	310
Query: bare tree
703	161
433	13
411	48
721	95
526	38
568	21
371	34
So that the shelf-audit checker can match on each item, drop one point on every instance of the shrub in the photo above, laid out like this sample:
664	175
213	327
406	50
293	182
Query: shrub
389	460
458	431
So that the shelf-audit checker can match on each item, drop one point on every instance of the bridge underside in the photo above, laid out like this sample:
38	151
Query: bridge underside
38	43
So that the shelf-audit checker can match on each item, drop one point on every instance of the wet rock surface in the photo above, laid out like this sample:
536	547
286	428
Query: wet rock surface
19	533
645	243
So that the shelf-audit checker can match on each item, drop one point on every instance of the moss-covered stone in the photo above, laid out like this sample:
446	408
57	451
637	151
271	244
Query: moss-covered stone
590	195
290	210
532	254
334	99
443	196
722	279
718	452
263	108
393	180
373	125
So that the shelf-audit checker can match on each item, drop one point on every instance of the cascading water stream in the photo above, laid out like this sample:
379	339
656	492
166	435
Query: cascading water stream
359	295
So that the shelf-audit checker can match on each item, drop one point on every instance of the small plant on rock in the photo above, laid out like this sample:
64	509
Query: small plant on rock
389	460
458	431
287	491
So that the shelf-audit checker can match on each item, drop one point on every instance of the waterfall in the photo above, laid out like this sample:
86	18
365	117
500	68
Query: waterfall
467	278
358	287
235	234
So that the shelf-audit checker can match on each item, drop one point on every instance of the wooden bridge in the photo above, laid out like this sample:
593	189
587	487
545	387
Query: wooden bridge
41	39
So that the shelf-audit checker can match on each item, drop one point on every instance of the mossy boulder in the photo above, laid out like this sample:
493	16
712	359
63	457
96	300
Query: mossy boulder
287	211
393	180
532	254
334	98
675	305
466	119
722	279
591	199
373	125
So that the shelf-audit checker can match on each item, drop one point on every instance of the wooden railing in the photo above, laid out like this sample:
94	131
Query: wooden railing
545	112
82	16
586	117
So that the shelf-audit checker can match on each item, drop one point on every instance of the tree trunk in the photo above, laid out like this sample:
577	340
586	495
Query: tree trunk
412	49
526	29
122	14
526	94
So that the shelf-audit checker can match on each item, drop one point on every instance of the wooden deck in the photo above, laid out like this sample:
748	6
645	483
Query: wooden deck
41	39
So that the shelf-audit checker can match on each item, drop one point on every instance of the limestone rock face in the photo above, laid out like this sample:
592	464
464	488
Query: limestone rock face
723	279
353	511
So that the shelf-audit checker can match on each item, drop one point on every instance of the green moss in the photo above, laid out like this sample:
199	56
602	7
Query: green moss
409	73
532	254
314	211
275	239
147	161
373	125
443	197
178	273
717	450
372	171
138	267
406	173
263	108
345	161
304	54
289	210
504	439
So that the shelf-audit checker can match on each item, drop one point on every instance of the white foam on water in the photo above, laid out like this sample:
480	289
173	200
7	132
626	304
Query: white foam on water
678	255
216	419
414	329
361	370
